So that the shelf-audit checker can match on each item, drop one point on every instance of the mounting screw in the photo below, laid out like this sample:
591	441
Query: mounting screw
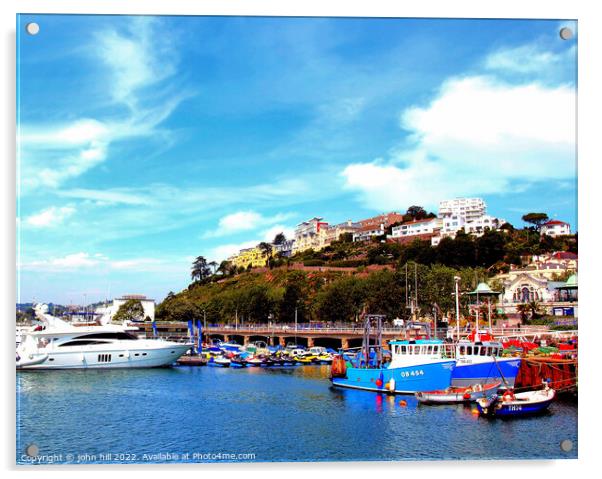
566	445
32	450
566	33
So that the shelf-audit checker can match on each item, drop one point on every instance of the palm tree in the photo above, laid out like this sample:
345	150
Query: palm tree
535	309
267	250
522	309
280	238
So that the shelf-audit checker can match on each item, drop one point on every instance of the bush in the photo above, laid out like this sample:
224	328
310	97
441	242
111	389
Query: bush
313	262
349	263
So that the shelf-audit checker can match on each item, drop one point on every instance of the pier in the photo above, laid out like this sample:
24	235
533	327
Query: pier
334	336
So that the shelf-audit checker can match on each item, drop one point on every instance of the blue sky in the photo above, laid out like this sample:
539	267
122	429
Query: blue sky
146	141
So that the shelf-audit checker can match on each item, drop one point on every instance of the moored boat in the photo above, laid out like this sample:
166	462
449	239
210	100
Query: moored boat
454	395
479	362
415	365
516	404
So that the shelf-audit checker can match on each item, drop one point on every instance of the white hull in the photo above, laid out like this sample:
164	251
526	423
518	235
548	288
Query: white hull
145	354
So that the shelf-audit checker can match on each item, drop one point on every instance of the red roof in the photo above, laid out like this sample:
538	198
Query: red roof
564	255
555	222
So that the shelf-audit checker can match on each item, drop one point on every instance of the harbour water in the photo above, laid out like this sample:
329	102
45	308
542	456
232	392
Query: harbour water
191	414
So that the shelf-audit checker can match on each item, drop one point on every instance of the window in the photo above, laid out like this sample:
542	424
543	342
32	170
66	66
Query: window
81	343
104	358
469	350
403	349
462	351
118	335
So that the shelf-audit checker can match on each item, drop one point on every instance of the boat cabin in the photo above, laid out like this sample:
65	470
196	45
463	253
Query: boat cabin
484	349
408	352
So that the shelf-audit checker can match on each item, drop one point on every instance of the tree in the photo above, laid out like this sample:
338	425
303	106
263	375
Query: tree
225	267
416	212
200	269
279	239
536	219
267	249
213	265
490	248
131	310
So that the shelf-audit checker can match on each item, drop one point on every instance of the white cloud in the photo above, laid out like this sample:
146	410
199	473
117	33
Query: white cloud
50	217
136	59
271	232
529	59
242	221
478	136
85	261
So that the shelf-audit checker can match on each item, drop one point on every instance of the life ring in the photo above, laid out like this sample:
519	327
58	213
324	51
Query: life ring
508	396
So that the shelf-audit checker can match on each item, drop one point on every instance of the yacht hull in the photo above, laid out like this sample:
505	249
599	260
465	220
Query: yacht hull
106	358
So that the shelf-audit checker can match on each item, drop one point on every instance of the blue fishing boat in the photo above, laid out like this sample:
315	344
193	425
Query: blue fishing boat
414	366
481	362
516	405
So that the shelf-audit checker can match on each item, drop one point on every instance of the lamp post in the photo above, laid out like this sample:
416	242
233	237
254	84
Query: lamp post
457	282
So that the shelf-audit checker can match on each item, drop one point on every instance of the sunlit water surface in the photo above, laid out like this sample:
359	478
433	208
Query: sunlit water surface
192	414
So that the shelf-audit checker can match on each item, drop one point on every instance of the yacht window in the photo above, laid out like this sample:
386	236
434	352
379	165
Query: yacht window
462	350
429	350
417	350
81	343
435	349
469	350
117	335
483	351
403	349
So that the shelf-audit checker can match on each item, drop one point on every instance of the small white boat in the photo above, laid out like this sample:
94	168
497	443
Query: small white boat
454	395
219	361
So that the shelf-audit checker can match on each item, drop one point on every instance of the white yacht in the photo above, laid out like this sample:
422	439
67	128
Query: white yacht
57	344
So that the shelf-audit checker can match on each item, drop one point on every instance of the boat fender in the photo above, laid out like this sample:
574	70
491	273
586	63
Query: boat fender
391	385
379	383
508	396
466	395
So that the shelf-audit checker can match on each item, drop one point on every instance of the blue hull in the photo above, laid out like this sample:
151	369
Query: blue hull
470	374
515	410
408	380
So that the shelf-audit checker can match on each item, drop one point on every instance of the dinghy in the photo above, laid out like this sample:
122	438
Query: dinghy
455	395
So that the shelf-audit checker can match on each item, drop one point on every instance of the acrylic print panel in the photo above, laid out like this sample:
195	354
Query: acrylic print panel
295	239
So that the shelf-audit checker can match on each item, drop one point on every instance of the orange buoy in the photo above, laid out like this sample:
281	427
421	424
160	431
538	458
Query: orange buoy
403	403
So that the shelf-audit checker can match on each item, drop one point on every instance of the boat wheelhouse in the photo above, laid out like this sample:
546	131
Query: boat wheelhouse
481	363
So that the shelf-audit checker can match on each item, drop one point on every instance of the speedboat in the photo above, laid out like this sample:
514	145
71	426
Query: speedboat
415	366
516	405
57	344
481	362
219	361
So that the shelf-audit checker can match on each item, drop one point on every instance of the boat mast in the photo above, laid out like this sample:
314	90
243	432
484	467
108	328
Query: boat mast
457	281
